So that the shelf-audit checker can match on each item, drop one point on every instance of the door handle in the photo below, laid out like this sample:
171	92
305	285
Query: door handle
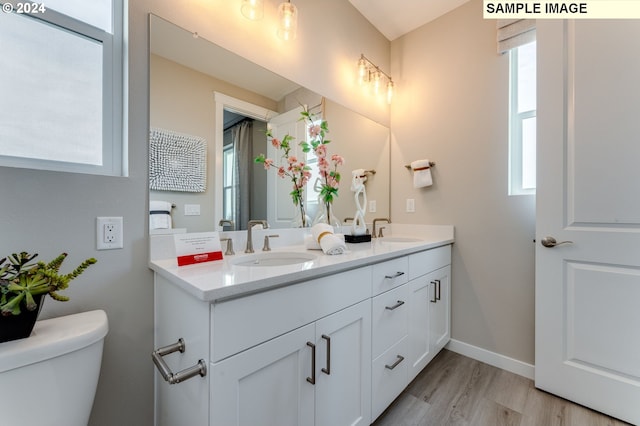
551	242
312	379
327	370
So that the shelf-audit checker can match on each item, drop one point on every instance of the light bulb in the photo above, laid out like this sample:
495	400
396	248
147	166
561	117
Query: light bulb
376	82
252	9
389	91
287	21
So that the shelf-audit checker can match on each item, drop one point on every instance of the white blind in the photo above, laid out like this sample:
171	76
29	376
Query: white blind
515	32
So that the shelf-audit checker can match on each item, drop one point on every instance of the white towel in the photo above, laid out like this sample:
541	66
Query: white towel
311	244
329	242
159	215
421	173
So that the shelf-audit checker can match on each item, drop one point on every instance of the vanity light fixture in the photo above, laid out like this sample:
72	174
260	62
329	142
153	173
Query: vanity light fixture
287	21
252	9
370	73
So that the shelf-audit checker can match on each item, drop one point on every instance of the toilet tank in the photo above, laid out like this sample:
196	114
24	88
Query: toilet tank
50	378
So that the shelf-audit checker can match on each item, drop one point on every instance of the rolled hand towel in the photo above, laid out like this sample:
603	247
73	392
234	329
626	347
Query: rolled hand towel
312	244
421	173
329	242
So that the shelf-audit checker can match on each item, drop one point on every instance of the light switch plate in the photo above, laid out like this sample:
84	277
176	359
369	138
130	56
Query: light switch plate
411	205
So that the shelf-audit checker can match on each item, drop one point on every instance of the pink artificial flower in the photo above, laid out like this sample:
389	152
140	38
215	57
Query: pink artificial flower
276	143
338	160
332	182
281	172
292	159
321	151
323	165
268	162
314	131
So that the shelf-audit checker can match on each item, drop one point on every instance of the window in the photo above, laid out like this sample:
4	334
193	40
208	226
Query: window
229	182
522	120
62	87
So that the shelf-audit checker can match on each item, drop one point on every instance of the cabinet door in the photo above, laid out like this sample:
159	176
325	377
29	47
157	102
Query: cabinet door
440	311
343	367
420	301
266	385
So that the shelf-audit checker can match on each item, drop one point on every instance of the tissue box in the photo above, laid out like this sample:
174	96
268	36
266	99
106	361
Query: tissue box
357	238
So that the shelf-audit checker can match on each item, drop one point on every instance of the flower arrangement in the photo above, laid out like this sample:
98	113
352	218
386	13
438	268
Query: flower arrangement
297	171
327	166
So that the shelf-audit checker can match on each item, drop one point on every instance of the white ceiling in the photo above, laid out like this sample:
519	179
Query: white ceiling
394	18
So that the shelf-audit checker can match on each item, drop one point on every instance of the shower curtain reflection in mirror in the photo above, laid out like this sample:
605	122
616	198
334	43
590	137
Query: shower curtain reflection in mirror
242	137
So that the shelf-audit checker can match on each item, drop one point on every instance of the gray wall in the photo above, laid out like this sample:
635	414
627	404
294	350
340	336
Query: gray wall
452	107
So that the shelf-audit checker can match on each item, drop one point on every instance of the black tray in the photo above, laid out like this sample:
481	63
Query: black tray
357	238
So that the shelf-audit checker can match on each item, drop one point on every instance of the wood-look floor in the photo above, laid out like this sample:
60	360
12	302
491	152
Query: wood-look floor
457	390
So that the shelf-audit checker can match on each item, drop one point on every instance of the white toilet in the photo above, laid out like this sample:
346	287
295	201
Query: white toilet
50	378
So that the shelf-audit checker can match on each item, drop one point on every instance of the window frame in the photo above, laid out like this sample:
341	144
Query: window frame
515	130
113	95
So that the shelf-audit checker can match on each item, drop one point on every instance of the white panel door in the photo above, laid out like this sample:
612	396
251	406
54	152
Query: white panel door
588	291
280	208
266	385
343	367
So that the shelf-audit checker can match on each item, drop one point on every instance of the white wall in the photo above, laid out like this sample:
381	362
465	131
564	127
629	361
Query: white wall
49	212
452	107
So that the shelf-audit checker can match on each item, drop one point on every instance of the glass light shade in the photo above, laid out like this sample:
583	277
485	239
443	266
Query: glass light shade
362	70
252	9
287	21
389	91
376	82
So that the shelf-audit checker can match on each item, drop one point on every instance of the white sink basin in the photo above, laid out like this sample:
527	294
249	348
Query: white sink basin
276	258
400	240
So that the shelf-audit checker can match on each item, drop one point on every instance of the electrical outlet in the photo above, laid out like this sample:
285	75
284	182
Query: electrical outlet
411	205
109	233
372	206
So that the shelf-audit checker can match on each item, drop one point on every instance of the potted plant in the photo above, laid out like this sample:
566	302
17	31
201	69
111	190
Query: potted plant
23	284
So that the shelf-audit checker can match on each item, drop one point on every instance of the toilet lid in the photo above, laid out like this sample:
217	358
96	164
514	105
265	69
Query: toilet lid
54	337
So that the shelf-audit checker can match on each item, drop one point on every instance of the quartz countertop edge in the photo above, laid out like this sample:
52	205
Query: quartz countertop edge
221	280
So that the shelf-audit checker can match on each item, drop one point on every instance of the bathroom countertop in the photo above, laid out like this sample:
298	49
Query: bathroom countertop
220	280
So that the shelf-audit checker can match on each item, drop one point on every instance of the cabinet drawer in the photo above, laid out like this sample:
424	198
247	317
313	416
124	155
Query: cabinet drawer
241	323
388	377
389	318
429	260
390	274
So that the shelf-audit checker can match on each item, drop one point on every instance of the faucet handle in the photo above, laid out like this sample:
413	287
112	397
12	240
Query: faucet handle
380	235
229	251
266	246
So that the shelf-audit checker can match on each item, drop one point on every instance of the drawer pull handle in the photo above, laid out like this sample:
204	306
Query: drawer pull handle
327	370
312	379
395	364
435	292
199	369
396	306
396	275
439	290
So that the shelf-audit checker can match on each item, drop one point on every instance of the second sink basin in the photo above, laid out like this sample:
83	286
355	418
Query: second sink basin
400	240
276	258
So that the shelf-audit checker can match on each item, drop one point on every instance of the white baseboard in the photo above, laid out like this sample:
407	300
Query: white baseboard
492	358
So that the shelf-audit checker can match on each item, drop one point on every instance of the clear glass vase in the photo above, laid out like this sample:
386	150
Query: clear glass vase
326	215
300	218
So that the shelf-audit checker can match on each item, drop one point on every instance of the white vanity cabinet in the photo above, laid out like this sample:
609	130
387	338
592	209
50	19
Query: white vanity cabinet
315	375
429	306
334	350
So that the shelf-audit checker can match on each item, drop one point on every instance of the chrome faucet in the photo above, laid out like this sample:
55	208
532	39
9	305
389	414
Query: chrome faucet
250	225
375	221
228	223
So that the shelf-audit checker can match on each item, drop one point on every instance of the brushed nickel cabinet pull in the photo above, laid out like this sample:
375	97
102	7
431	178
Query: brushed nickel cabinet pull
312	379
174	378
327	370
396	306
396	275
395	364
435	299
